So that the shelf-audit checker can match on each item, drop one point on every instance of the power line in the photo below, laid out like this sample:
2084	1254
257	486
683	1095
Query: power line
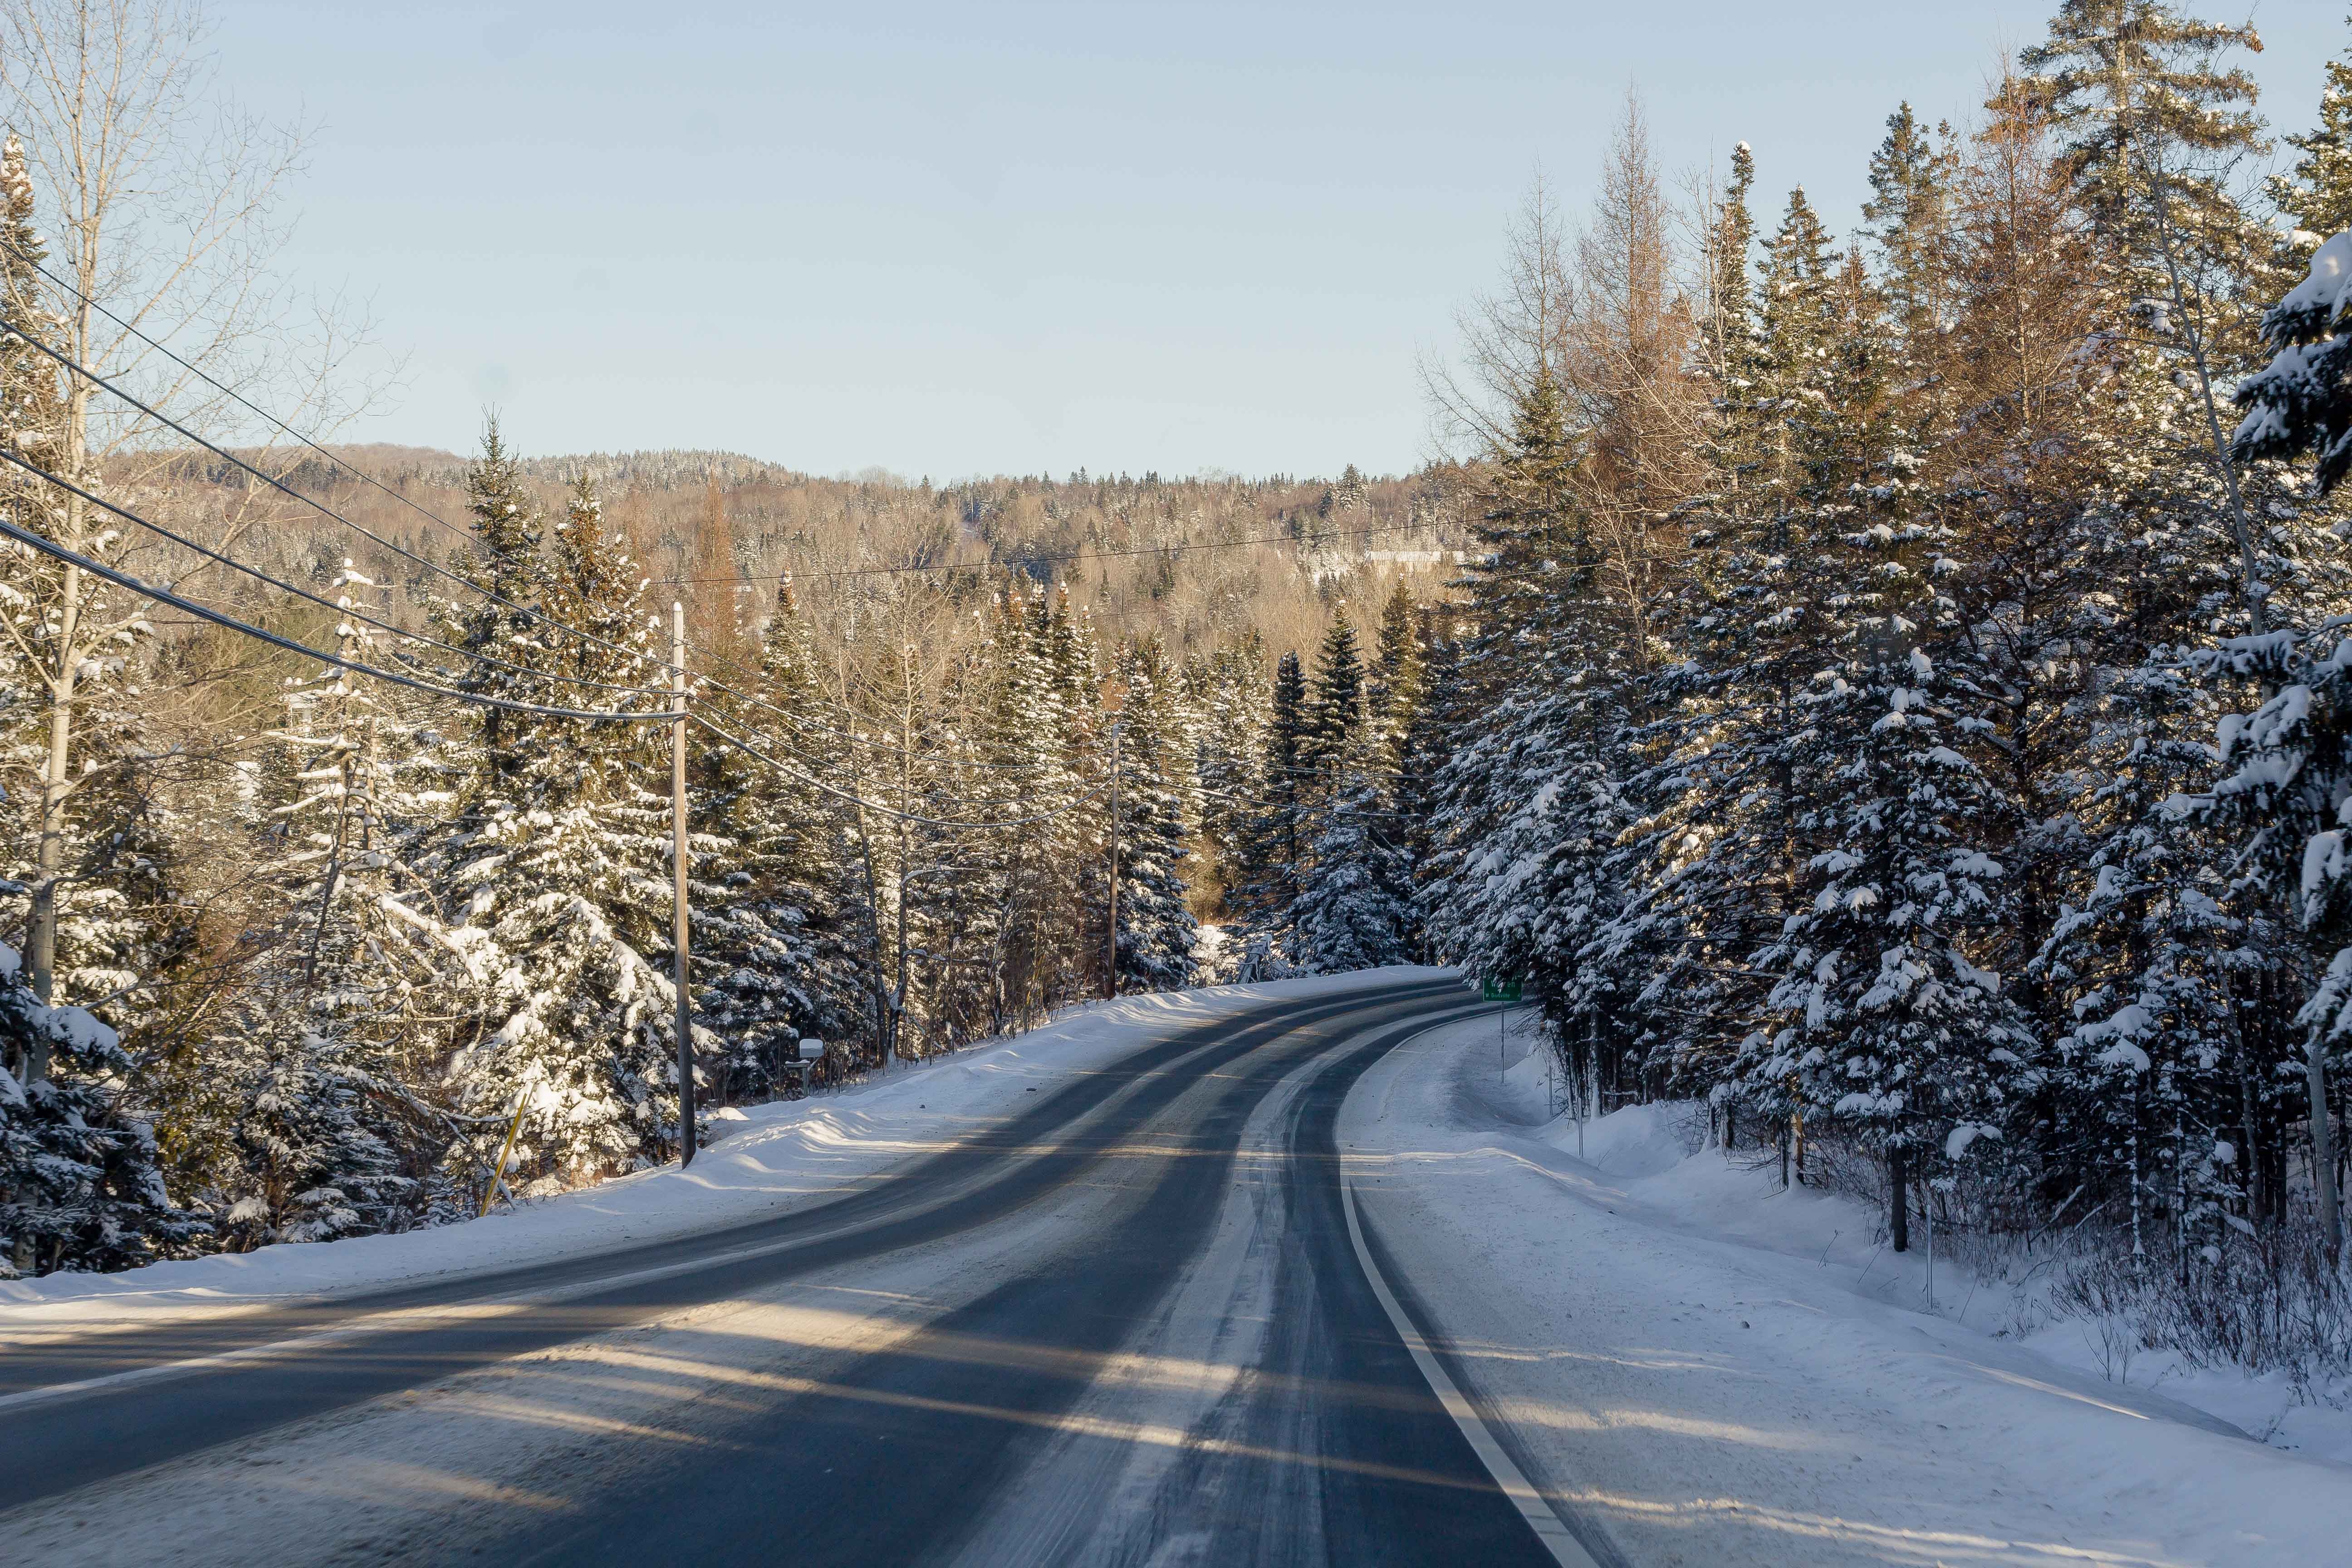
124	580
321	507
717	685
1019	562
474	543
259	575
787	769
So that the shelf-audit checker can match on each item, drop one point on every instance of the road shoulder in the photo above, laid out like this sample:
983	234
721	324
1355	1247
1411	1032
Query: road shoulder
1714	1402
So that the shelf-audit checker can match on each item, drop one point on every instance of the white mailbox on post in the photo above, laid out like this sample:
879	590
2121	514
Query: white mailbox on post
806	1055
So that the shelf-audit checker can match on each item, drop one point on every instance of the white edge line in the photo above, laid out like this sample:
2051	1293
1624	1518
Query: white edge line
1533	1506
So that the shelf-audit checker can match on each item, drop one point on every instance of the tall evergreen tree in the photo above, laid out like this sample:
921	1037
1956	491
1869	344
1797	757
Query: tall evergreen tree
2316	193
555	862
779	935
1156	932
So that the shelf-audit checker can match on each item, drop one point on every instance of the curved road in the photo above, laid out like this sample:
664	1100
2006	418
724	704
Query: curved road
1152	1330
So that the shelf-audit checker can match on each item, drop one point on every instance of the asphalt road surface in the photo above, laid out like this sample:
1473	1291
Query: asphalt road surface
1141	1322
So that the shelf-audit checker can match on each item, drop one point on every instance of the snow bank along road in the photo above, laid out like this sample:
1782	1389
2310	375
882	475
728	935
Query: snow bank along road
1139	1322
1723	1374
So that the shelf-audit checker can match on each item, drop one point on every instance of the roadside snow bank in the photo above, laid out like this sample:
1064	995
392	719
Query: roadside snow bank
764	1160
1718	1371
1658	1154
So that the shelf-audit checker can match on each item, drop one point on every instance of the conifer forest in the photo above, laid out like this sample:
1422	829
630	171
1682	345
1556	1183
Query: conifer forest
1891	689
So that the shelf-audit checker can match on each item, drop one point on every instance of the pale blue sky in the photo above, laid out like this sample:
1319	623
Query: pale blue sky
949	239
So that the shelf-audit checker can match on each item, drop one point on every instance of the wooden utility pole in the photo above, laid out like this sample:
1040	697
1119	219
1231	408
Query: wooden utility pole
678	935
1111	930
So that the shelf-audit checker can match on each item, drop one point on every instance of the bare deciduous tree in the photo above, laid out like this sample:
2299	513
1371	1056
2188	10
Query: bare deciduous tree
168	206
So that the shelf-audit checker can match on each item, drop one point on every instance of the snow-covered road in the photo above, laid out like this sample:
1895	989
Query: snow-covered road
1674	1360
1123	1322
1095	1296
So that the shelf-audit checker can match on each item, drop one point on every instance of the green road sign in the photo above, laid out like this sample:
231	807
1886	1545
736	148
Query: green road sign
1498	991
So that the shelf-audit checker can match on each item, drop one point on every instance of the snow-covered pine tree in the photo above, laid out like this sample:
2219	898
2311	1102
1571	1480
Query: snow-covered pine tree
318	1086
1355	909
556	861
2316	193
1156	933
781	933
2301	404
79	1183
1275	847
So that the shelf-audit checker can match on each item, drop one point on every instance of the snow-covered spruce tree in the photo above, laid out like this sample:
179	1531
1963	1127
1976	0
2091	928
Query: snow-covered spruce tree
1075	921
1333	724
555	862
1887	1025
1883	1015
1156	933
952	885
1786	402
2316	193
1276	844
2183	539
1527	529
1356	908
2064	558
2146	1075
779	935
2290	776
1394	686
1038	732
1232	705
2302	402
1334	709
2151	122
80	1184
1397	703
319	1083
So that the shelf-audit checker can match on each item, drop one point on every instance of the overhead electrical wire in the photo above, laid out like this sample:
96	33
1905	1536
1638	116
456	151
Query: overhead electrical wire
435	518
255	572
207	614
26	536
713	683
125	579
750	750
473	541
321	507
1017	563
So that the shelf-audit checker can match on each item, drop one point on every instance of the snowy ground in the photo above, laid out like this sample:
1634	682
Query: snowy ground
1721	1372
765	1160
